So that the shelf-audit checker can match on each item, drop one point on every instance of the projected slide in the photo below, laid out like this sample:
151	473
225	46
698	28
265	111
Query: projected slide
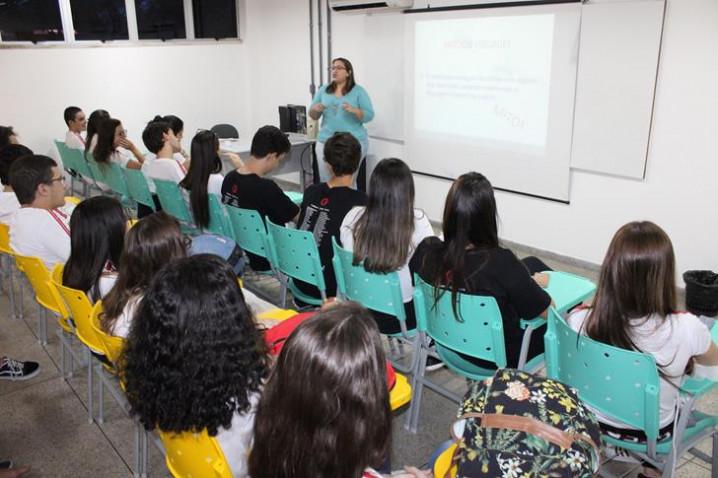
485	79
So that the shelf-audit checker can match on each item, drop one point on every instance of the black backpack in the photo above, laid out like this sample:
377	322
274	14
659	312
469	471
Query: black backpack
518	424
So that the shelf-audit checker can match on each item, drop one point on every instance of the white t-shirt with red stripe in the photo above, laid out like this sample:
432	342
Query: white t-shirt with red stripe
43	233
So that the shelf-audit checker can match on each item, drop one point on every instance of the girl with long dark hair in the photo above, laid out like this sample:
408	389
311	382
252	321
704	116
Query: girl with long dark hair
93	126
112	146
385	233
153	242
325	409
204	176
635	309
470	260
195	359
97	237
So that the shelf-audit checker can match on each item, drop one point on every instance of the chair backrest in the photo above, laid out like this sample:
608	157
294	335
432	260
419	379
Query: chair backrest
218	221
5	239
223	131
115	179
111	345
97	172
39	277
67	160
249	230
478	330
379	292
172	200
296	254
81	309
72	200
74	159
620	383
193	455
137	187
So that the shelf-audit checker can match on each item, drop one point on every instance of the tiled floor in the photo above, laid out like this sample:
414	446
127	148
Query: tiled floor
45	419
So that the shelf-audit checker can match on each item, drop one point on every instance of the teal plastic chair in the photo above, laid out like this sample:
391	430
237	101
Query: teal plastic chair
295	197
249	231
172	201
73	159
478	332
137	187
624	385
378	292
218	220
296	256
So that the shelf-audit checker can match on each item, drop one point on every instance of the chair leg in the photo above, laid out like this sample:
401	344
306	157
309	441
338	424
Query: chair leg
22	299
90	390
138	449
11	290
100	395
417	387
714	456
62	356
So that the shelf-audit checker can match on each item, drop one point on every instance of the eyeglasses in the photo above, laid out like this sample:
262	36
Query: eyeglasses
334	68
61	179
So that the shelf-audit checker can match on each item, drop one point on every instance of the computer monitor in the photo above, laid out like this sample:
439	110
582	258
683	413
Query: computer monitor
293	119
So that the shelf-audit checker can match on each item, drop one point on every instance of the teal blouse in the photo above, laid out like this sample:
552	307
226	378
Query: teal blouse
335	119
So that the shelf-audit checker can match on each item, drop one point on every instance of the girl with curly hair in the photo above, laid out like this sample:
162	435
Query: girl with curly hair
195	358
150	244
325	409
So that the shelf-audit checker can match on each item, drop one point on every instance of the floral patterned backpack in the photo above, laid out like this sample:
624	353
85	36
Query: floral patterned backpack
520	425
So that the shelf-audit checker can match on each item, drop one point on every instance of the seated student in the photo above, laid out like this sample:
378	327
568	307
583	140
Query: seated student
76	124
8	200
153	242
41	227
385	233
97	236
8	136
325	409
113	146
470	260
635	309
324	205
93	126
204	176
177	127
195	358
161	141
247	188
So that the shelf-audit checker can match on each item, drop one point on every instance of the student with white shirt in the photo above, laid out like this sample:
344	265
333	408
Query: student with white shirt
386	232
177	126
97	237
162	142
41	227
204	176
76	123
8	199
153	242
195	358
113	146
635	309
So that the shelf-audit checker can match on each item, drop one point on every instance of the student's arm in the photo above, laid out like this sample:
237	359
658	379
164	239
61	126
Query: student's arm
130	146
132	164
525	295
710	357
280	208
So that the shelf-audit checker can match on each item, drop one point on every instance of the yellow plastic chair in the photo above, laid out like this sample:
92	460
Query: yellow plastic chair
73	200
191	455
7	251
39	278
66	333
400	394
443	464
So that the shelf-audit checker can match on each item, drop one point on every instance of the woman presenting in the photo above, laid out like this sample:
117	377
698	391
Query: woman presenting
345	107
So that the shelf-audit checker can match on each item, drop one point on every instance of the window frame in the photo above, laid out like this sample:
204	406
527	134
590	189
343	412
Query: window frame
134	40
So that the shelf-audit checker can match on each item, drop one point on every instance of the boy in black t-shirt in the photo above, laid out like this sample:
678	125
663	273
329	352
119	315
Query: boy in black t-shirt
248	189
325	205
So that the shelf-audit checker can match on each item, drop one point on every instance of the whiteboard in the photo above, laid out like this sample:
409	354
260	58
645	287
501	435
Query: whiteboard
618	61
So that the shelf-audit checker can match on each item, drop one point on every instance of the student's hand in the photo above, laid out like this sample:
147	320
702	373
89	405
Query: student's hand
411	472
235	159
127	144
541	279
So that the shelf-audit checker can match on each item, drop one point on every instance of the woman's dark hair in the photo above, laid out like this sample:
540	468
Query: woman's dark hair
5	133
637	279
469	224
8	155
325	409
93	125
194	356
97	237
205	161
150	244
105	140
382	234
350	77
176	124
343	153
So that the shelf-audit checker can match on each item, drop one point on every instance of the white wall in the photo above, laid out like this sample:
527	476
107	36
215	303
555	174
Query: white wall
202	84
244	84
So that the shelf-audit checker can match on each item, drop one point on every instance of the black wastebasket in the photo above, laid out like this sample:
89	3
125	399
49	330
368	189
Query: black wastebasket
701	292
